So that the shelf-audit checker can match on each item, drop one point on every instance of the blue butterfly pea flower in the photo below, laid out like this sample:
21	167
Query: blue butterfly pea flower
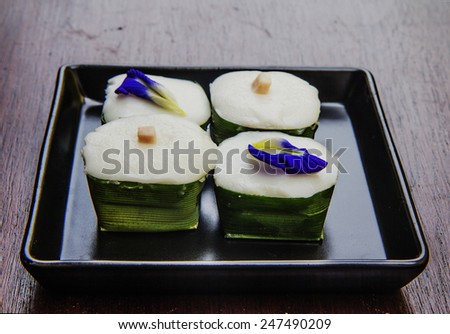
291	159
138	84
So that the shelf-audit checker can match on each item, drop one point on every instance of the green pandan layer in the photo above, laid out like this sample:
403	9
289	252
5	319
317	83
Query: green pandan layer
138	207
262	217
222	129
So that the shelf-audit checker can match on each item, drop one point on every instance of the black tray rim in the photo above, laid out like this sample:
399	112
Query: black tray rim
32	263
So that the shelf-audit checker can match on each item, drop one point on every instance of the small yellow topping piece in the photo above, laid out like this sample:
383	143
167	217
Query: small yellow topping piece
147	135
261	84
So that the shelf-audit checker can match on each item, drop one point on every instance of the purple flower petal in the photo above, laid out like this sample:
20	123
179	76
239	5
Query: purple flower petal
135	74
291	159
138	84
133	87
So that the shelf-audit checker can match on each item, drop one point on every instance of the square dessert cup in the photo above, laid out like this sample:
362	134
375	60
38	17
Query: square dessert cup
263	101
277	188
149	189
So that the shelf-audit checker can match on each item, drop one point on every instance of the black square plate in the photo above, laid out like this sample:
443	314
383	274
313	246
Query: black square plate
373	239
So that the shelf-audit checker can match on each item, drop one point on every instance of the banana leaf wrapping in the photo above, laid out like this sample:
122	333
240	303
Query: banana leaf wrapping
139	207
263	217
222	129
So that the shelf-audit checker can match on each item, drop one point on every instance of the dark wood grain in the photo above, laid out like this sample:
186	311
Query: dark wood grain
405	44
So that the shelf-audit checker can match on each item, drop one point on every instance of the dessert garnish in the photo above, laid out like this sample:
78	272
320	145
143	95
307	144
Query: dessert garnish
138	84
279	152
262	82
146	134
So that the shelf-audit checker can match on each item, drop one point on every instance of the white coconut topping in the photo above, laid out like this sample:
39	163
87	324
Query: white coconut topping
189	95
290	103
113	151
242	173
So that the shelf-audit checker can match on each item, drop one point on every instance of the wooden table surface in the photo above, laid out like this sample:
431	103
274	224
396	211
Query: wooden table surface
405	44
